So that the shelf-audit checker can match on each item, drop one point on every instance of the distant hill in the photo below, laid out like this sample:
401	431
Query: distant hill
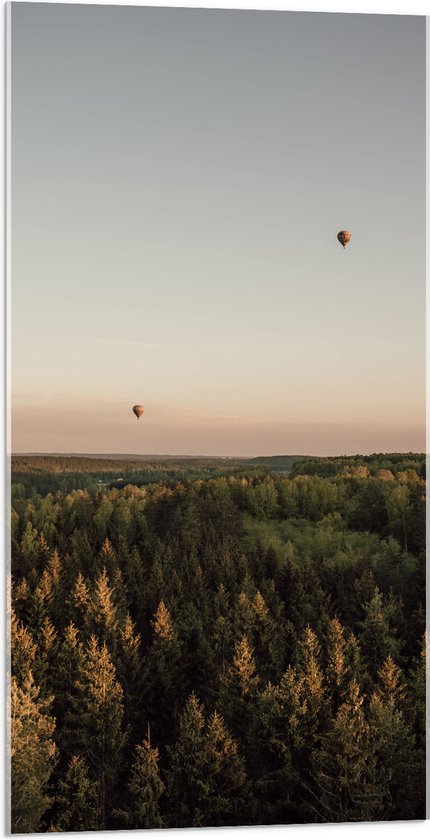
277	462
60	461
135	468
109	463
120	456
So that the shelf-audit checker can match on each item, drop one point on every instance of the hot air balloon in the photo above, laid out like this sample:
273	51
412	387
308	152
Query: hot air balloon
344	236
138	410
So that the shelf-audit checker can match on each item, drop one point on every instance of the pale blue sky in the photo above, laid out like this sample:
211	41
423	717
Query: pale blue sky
179	177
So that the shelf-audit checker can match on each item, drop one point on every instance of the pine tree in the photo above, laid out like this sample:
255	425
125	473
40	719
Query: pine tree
156	583
47	647
343	781
416	696
338	669
244	618
102	517
309	671
97	713
417	716
102	612
163	627
238	696
163	677
29	551
130	669
64	679
226	775
221	641
37	614
207	780
108	557
280	739
187	780
33	755
398	767
68	662
21	596
55	571
269	636
145	789
23	649
80	597
77	800
293	716
243	670
376	639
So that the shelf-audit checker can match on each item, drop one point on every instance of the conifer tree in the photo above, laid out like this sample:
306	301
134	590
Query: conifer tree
23	649
102	517
119	595
64	678
21	596
222	633
293	714
269	636
225	773
398	766
136	584
145	789
163	677
156	582
80	597
244	618
68	663
188	784
338	668
238	693
417	715
97	715
45	586
47	647
55	567
54	570
33	755
37	614
129	665
163	627
77	800
280	739
376	639
416	696
243	670
102	611
308	659
108	557
29	551
207	780
343	783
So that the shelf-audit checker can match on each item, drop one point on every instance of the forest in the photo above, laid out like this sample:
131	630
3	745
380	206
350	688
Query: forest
211	643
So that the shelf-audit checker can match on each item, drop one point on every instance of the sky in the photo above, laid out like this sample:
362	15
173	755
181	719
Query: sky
178	180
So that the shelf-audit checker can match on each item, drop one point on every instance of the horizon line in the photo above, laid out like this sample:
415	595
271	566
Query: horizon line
230	457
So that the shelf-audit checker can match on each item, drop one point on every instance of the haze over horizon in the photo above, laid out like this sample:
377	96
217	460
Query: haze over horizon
170	455
176	194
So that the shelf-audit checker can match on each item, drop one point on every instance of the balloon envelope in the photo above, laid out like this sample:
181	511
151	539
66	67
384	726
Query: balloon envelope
344	236
138	410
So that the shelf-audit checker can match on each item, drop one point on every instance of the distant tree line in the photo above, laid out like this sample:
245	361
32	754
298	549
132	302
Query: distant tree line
394	463
49	474
52	464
